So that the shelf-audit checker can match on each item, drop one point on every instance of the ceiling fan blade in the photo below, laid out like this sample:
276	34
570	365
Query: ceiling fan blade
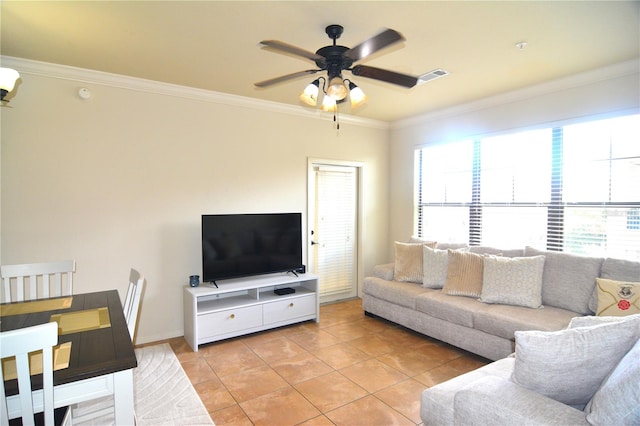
282	78
385	75
372	45
289	48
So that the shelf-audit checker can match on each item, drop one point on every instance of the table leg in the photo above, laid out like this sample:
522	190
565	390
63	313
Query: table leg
123	397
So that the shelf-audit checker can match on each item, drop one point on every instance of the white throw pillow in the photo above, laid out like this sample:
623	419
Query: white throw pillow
569	365
513	281
617	402
434	267
589	321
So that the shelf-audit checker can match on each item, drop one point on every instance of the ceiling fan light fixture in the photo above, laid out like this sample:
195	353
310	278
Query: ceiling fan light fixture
356	95
310	94
328	104
8	78
337	90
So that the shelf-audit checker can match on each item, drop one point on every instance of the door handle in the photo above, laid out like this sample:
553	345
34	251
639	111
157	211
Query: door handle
314	243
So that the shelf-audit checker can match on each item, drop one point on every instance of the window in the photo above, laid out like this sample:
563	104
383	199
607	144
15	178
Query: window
573	188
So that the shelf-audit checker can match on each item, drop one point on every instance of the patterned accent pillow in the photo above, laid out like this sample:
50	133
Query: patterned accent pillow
617	298
408	262
513	281
434	266
569	365
464	274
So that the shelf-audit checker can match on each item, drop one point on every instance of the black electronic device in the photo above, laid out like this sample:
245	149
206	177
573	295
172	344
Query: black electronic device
239	245
284	290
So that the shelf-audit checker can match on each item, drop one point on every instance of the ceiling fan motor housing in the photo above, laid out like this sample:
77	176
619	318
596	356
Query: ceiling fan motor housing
334	61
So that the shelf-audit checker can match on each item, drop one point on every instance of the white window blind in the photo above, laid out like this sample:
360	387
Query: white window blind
336	228
573	188
601	171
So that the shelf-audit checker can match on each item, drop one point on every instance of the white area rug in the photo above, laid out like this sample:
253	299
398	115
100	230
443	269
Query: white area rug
163	394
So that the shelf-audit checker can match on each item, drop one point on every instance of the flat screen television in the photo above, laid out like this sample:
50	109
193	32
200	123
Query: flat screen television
239	245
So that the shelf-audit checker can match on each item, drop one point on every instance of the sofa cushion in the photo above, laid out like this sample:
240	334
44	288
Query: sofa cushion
496	401
570	365
496	251
400	293
615	269
513	281
505	320
454	309
384	271
617	401
618	298
436	403
464	274
452	246
619	269
568	280
408	262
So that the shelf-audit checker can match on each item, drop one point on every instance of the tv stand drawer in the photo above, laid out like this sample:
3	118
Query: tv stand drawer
290	308
229	321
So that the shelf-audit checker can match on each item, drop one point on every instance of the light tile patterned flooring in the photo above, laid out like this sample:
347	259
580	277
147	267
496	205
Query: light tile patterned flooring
348	369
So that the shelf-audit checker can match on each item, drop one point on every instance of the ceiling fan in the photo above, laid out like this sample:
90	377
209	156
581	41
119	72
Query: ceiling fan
335	59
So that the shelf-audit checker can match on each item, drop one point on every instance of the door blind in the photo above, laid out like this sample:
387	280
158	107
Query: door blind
335	228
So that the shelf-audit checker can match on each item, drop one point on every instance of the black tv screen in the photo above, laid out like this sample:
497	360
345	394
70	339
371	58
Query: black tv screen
238	245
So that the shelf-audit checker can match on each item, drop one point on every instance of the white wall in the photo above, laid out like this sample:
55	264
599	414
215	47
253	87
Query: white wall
600	92
121	180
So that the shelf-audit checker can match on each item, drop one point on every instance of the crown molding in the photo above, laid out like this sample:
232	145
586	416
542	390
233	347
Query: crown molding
582	79
65	72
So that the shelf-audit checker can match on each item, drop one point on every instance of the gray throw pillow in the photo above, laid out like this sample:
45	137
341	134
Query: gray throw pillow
569	365
588	321
617	402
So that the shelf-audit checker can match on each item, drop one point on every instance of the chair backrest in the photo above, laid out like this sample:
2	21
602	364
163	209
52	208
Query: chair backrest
132	301
31	281
20	343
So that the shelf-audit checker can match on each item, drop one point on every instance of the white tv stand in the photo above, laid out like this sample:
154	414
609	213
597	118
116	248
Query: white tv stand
246	305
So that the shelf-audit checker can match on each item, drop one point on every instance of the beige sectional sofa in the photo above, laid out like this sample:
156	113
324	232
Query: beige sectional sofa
567	288
531	311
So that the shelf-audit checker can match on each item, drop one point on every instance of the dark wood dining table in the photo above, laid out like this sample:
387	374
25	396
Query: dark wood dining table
101	360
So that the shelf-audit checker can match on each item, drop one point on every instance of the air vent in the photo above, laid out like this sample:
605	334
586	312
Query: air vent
432	75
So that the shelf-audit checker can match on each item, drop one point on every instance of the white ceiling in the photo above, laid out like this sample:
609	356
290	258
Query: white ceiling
214	45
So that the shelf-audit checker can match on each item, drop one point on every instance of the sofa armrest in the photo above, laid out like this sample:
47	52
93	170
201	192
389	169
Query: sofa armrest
497	401
384	271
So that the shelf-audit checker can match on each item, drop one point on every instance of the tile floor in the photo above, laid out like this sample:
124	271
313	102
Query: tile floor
348	369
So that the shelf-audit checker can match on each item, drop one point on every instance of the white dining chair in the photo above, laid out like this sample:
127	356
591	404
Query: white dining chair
30	281
20	343
90	410
132	301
